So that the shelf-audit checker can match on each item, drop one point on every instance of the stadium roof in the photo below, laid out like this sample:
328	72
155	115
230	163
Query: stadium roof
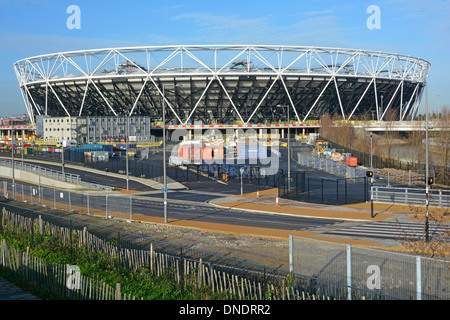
222	83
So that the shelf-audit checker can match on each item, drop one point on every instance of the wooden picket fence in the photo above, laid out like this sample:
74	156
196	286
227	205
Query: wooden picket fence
56	277
223	282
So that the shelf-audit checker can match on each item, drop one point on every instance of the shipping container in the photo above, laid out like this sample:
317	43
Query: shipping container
218	153
351	161
207	153
196	154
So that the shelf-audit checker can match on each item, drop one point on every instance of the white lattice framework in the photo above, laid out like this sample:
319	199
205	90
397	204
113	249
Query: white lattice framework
225	83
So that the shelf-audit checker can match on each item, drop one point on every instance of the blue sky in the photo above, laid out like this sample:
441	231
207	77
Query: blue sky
415	27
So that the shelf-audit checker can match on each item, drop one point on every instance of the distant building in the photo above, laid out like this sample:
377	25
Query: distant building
14	121
88	129
21	128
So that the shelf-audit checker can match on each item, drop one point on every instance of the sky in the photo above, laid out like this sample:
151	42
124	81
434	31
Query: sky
409	27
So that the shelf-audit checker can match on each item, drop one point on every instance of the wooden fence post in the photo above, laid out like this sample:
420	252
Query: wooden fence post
118	294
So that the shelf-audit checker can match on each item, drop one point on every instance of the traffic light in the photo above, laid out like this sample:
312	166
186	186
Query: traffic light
430	181
369	174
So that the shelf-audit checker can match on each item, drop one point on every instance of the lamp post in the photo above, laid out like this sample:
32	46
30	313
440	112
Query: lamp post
288	146
12	162
371	178
371	151
164	155
241	170
425	231
164	150
62	160
126	150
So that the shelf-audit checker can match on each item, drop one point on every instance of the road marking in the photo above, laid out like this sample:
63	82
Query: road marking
393	230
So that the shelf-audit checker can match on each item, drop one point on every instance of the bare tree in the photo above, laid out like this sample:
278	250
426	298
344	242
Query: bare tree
415	148
442	146
326	126
391	136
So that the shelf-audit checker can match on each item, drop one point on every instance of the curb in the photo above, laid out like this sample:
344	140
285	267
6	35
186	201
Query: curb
284	213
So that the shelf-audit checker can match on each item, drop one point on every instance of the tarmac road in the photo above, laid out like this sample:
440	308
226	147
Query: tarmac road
189	205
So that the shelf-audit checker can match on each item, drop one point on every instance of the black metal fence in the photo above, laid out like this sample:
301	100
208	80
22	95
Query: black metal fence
329	191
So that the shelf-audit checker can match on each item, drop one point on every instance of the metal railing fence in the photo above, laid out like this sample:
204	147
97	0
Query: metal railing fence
412	196
51	174
396	274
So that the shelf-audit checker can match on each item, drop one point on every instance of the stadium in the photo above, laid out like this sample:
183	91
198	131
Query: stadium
223	84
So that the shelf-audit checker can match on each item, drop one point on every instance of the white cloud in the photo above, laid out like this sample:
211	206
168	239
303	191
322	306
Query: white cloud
305	28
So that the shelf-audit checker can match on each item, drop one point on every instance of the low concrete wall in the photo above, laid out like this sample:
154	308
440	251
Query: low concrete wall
33	178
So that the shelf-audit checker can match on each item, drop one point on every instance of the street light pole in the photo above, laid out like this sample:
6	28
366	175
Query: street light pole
12	162
241	170
164	155
371	152
164	151
371	178
62	160
426	165
126	152
288	145
289	151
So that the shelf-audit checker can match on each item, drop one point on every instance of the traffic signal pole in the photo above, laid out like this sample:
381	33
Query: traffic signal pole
369	174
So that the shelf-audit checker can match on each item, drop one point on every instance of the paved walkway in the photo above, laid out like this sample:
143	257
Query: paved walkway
266	201
9	291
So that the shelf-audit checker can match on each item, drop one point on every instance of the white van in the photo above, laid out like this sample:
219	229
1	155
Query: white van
69	144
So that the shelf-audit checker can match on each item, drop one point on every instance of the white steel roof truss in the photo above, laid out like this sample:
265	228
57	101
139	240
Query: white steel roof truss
365	65
392	99
53	70
376	97
59	100
138	97
350	58
262	100
339	97
84	97
260	57
27	105
41	70
131	61
229	98
170	57
360	99
32	100
103	62
290	99
384	65
401	102
190	54
317	99
321	62
76	65
409	101
104	99
237	56
198	101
